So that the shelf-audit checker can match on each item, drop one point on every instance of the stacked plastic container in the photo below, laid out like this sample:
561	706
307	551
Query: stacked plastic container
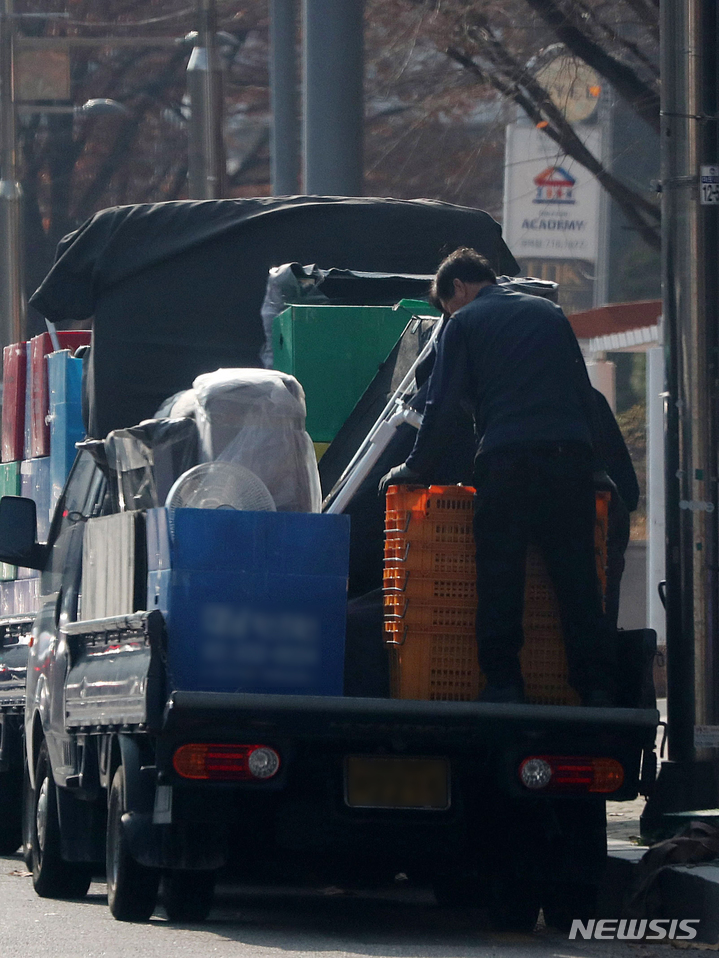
41	422
543	659
430	601
430	596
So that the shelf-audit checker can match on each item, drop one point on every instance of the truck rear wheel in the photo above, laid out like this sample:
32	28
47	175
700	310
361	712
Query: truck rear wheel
187	895
459	891
131	887
562	902
28	810
52	876
513	905
10	811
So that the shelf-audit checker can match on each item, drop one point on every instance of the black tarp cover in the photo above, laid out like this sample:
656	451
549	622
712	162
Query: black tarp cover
175	289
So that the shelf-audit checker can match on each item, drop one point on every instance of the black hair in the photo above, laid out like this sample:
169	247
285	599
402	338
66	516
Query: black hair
465	264
434	300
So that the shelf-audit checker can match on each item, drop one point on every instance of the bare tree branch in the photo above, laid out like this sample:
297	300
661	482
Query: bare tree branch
642	98
615	37
558	129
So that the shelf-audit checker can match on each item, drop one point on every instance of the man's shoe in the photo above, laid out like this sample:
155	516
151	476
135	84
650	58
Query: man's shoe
503	694
599	699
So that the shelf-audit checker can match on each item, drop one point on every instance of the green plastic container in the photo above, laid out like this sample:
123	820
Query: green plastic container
9	486
335	351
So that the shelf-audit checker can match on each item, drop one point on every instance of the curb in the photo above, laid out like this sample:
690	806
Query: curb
687	891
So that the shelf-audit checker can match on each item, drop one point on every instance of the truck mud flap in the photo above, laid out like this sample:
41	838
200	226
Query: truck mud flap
173	846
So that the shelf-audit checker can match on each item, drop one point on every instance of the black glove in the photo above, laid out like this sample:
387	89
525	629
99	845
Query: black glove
398	476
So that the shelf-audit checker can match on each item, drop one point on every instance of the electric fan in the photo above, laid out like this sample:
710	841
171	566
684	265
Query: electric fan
218	485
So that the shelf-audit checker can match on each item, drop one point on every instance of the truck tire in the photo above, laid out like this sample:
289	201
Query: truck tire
513	905
52	876
562	902
10	811
458	891
187	895
131	887
28	808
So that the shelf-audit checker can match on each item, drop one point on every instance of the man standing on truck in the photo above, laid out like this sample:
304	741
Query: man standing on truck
514	360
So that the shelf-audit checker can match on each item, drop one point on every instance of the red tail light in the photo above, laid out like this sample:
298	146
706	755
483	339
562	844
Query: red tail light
571	773
227	763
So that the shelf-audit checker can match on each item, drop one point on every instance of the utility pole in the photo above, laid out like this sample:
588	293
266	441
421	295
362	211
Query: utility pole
206	155
333	97
285	160
12	292
690	251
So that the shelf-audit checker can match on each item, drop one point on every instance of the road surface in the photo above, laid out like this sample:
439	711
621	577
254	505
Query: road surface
290	923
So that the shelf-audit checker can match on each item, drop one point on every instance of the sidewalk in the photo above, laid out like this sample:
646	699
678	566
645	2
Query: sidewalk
687	891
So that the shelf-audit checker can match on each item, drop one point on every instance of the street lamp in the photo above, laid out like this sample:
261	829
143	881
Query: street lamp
12	297
12	288
206	155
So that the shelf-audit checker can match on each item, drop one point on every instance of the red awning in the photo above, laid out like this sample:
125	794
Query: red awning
616	318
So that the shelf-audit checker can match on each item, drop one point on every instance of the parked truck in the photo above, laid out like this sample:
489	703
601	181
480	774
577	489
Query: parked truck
130	743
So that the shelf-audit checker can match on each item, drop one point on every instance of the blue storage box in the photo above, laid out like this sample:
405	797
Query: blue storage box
66	429
258	602
158	590
66	425
64	375
157	536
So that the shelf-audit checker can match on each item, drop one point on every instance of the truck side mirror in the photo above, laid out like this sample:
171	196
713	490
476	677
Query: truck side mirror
18	533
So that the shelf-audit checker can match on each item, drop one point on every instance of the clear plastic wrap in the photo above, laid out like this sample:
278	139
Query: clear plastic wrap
256	418
146	460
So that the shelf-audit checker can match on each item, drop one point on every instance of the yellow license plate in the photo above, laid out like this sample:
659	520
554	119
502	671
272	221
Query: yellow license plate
388	782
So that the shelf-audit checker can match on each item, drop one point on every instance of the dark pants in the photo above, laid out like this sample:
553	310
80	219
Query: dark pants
543	493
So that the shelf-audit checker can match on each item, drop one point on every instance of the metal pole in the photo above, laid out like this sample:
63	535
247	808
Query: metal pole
206	164
333	97
656	618
12	292
605	120
690	305
285	162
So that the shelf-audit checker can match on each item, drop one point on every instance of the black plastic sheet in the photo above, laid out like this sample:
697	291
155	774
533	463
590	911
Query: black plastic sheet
176	289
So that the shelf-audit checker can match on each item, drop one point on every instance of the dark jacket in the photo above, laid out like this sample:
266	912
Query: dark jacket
514	361
614	454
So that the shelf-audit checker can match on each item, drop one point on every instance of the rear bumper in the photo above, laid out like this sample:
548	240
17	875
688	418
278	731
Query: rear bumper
474	735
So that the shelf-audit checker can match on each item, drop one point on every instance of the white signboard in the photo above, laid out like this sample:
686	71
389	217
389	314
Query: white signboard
709	186
551	203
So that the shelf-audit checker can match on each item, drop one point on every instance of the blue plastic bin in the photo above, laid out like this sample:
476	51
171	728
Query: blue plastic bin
66	425
258	602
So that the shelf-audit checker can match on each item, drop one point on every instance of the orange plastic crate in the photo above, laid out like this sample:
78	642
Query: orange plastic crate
433	533
432	502
543	658
427	616
430	607
454	561
430	589
436	514
438	666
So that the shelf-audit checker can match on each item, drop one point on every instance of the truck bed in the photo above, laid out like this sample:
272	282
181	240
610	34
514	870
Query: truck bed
118	677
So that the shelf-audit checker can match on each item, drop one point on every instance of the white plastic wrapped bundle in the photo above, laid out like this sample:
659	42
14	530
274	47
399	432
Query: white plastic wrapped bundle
256	418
